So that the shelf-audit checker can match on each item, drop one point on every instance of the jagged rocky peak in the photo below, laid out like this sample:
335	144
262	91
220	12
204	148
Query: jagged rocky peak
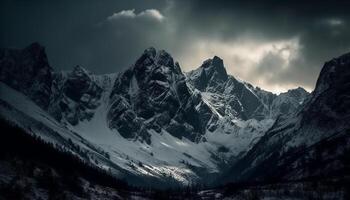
80	71
154	72
215	68
333	73
289	102
27	70
36	51
80	87
211	74
75	96
152	94
150	51
298	92
161	57
323	119
238	98
330	101
297	95
151	58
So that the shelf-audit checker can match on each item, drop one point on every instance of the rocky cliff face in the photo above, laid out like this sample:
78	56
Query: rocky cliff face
311	142
235	98
154	120
28	71
71	96
75	96
289	102
153	94
210	76
330	101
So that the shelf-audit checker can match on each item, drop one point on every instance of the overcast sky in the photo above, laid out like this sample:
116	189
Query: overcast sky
276	45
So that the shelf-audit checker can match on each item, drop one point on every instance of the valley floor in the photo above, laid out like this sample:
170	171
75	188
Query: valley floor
33	169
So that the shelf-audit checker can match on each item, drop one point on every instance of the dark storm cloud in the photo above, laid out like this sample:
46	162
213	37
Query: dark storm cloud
69	30
273	44
322	29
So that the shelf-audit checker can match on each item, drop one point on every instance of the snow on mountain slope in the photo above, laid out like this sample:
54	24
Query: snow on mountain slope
93	142
75	96
20	110
238	99
312	142
153	94
166	157
150	121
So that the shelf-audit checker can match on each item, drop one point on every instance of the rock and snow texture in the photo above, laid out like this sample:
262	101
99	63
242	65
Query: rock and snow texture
153	94
237	99
151	120
312	142
75	95
229	96
289	102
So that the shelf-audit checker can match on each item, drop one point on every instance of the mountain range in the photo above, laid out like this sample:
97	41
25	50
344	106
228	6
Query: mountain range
153	124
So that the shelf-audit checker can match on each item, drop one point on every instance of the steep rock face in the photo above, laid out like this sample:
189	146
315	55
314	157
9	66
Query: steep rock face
153	94
330	102
27	71
75	96
285	103
210	76
288	102
237	99
296	145
154	98
231	97
79	86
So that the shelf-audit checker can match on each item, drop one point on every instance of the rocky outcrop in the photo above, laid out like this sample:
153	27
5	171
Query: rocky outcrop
330	102
313	141
28	71
153	94
238	99
75	96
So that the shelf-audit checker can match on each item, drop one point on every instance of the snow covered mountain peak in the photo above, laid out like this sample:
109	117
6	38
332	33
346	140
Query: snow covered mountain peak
215	68
80	71
299	94
182	124
299	90
153	94
304	139
150	51
211	74
151	59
